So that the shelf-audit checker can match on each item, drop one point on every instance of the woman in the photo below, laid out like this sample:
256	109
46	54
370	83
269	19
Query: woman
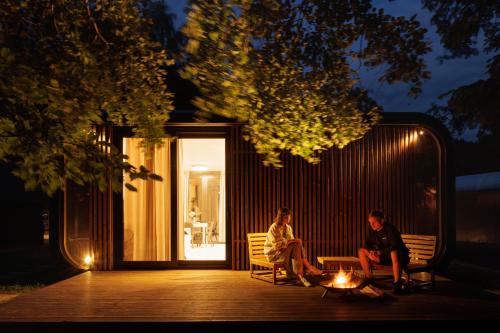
281	246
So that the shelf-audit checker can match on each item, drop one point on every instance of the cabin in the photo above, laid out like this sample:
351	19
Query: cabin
216	190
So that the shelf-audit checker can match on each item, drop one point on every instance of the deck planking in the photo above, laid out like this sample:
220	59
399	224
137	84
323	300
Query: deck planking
190	296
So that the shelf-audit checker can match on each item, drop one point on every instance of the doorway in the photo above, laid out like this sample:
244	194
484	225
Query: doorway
201	168
182	219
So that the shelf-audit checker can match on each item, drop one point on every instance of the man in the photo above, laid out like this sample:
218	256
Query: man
384	246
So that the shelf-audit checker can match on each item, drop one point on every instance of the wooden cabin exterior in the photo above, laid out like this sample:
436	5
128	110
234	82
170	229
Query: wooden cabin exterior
403	166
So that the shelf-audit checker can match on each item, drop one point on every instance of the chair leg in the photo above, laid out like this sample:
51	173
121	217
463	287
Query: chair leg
408	279
251	270
274	274
433	279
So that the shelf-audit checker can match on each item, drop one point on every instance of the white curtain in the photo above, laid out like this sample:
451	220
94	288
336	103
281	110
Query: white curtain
182	200
147	211
222	208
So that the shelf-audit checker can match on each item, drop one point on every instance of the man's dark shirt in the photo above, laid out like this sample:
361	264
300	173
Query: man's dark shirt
385	240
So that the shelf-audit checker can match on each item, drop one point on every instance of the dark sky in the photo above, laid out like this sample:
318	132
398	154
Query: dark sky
445	76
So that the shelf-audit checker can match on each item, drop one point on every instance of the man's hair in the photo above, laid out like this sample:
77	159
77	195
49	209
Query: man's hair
378	214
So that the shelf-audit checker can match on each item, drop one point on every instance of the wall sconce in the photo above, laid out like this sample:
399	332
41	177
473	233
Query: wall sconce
87	260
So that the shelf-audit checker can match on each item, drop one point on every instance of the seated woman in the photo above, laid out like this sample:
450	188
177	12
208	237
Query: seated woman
281	246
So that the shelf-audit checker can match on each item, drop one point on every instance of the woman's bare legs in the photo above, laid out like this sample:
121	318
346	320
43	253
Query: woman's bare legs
305	263
297	258
298	263
310	268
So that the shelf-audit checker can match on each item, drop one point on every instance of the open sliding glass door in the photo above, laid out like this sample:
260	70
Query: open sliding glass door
181	220
201	221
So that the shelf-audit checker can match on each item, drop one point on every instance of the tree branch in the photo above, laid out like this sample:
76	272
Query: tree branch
96	28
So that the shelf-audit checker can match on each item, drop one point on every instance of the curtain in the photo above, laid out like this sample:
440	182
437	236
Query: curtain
182	206
221	225
147	211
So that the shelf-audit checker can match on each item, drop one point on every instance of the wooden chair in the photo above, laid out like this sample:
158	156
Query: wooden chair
422	250
212	234
275	271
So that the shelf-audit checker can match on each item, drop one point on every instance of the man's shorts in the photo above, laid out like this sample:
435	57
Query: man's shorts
385	260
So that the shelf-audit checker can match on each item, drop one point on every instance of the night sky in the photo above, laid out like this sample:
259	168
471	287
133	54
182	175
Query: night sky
447	75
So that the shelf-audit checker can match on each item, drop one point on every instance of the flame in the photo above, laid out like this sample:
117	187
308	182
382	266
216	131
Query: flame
343	279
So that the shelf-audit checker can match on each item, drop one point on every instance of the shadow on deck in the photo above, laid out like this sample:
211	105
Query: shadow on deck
189	299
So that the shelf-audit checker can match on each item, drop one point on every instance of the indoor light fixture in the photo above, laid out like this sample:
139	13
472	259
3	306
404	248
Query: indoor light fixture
199	168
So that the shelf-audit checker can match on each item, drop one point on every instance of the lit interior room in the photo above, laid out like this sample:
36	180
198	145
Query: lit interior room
201	199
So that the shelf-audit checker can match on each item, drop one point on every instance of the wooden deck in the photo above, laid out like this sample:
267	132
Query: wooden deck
224	296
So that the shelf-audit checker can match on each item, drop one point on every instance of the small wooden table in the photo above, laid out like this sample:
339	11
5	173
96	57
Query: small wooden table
334	263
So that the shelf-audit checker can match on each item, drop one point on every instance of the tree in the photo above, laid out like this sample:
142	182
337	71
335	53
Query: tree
287	68
463	27
66	67
162	25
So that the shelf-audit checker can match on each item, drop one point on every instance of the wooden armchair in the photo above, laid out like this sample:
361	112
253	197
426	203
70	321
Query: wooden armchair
274	272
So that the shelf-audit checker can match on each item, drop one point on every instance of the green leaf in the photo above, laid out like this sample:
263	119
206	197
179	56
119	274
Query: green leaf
131	187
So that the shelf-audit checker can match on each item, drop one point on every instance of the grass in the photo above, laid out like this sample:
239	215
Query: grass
9	292
31	267
20	288
25	269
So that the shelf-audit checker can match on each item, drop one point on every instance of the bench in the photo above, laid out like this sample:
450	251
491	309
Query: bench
422	251
275	271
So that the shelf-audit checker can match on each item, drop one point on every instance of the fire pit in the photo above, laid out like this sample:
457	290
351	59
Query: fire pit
342	282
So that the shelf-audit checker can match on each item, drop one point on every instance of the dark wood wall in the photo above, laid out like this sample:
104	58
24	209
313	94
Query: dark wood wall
94	213
331	200
391	168
101	219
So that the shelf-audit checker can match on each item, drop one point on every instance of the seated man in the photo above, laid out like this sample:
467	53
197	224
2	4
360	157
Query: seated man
384	246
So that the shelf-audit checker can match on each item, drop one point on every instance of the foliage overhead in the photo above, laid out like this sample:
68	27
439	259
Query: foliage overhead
288	68
162	25
465	26
65	67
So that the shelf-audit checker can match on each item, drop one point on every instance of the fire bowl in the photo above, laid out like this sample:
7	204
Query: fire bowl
344	291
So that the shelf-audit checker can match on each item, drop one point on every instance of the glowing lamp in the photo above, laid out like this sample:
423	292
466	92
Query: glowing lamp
87	260
199	168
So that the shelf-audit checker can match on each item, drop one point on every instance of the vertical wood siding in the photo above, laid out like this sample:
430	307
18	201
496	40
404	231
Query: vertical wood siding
101	219
95	214
331	200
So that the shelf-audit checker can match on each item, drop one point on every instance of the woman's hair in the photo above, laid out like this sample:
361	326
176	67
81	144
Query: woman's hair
283	211
378	214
